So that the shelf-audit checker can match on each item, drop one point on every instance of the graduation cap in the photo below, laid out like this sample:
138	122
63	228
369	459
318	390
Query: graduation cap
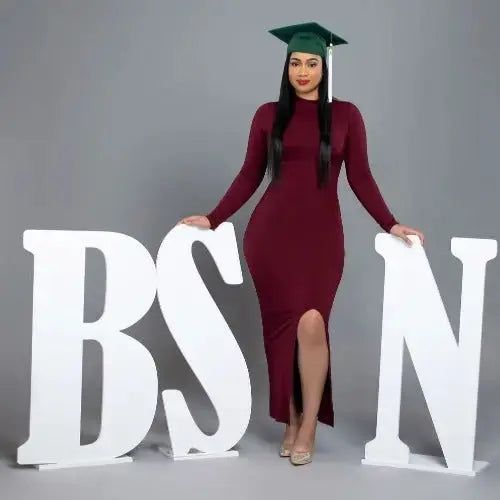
310	38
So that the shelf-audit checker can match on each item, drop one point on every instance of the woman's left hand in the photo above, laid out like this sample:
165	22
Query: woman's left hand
402	231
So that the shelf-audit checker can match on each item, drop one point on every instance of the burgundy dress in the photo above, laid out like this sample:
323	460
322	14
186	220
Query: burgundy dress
294	241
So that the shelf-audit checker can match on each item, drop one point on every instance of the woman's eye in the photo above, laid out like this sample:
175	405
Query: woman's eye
313	65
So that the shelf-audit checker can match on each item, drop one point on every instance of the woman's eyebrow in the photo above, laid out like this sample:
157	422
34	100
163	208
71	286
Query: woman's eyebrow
310	59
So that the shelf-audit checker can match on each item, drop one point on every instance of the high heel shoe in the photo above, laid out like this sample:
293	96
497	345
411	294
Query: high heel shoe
285	450
301	457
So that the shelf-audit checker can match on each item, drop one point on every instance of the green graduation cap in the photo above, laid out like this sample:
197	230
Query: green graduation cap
310	38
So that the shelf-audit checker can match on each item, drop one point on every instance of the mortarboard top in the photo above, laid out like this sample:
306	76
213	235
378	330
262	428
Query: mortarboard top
310	38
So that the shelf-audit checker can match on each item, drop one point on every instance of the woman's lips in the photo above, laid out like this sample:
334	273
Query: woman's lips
303	82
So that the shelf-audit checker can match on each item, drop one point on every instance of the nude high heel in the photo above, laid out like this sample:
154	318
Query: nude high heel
284	451
286	448
301	457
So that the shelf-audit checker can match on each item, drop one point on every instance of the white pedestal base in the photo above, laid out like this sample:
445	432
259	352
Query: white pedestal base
65	465
429	463
197	455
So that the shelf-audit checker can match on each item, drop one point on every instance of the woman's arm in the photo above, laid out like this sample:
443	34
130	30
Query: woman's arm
359	174
250	175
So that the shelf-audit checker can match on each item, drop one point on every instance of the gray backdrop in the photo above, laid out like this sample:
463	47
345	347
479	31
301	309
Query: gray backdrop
127	115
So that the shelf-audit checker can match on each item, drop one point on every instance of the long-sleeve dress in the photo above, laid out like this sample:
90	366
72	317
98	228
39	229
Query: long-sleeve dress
294	240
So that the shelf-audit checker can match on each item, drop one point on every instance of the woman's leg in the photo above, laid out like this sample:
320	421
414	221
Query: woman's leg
313	367
292	428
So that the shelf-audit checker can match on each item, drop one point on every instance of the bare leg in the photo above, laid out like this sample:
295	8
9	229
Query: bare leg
313	367
292	429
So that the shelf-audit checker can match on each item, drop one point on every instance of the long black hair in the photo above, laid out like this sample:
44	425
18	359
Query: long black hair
284	111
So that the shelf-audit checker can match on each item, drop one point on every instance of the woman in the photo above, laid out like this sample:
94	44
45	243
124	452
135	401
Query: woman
294	241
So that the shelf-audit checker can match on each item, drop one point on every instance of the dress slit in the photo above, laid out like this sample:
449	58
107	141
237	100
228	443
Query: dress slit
325	412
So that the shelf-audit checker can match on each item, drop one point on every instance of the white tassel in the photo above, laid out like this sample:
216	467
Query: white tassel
330	58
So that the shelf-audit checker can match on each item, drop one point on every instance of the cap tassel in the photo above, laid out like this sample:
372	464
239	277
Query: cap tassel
330	58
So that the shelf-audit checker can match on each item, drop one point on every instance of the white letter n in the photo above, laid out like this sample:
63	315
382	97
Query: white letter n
448	371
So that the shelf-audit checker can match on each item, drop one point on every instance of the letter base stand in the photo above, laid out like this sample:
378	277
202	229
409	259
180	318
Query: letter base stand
65	465
197	455
428	463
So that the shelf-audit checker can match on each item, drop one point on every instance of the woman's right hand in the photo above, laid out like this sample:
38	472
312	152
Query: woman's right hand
195	220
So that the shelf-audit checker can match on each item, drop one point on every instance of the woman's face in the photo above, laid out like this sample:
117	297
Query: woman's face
304	72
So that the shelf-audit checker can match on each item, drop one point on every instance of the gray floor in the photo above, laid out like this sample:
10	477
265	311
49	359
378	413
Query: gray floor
257	473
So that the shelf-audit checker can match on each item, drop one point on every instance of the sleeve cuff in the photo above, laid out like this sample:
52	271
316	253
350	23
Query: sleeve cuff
388	225
214	222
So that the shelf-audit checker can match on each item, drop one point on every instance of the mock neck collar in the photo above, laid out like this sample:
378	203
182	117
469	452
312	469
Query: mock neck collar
306	102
